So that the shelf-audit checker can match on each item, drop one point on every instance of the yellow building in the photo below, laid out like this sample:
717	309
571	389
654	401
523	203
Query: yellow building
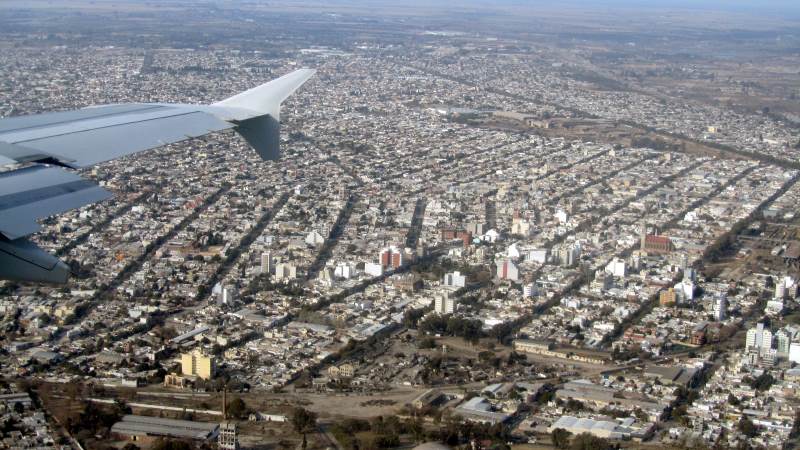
64	311
198	364
172	380
667	297
345	370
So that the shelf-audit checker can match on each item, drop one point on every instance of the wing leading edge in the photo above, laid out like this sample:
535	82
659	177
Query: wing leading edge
81	138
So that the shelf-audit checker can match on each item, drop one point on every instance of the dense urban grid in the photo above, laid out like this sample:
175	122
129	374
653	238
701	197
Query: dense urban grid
472	239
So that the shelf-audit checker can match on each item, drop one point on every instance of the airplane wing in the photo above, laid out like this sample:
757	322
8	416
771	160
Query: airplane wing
42	149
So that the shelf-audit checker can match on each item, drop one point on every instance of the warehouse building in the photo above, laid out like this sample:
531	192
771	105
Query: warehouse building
148	429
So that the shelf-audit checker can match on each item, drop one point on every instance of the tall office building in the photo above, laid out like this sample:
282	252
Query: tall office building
794	352
686	287
345	270
667	297
616	267
391	257
783	343
721	308
507	270
643	234
266	263
759	339
285	271
198	365
454	279
444	304
567	255
476	228
227	295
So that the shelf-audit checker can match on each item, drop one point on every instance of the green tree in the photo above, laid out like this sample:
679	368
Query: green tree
560	437
502	331
237	408
574	405
586	441
303	420
796	426
763	382
747	427
545	395
427	342
417	429
678	414
388	440
485	356
411	317
171	444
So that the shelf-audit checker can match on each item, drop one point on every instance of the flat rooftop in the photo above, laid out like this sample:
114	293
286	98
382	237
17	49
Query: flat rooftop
132	425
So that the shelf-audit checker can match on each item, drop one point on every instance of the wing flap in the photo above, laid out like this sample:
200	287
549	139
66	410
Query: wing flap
13	153
20	123
88	147
36	192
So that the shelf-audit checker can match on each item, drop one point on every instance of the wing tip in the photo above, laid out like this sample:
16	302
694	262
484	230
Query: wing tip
267	98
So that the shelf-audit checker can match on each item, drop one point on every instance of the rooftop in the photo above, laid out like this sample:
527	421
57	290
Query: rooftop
154	426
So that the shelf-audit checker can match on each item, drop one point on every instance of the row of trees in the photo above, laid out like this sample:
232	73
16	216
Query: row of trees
468	329
379	433
93	420
563	439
